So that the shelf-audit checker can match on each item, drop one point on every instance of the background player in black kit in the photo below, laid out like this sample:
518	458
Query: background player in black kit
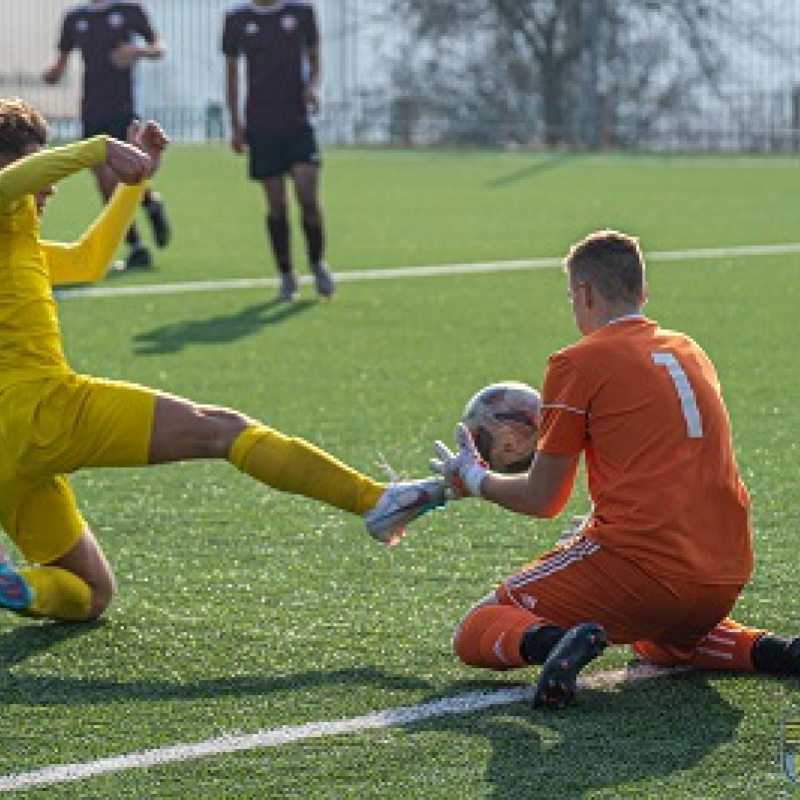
109	35
279	40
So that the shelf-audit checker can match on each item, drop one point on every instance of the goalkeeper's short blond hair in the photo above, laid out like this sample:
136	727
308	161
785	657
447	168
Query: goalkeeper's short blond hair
612	262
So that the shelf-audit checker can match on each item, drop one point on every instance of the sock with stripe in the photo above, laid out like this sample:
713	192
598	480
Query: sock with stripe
490	636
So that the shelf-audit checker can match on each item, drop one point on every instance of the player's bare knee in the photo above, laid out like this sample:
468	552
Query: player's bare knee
103	593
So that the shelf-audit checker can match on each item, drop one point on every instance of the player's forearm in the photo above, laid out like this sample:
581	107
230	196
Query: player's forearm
513	492
232	91
88	259
36	172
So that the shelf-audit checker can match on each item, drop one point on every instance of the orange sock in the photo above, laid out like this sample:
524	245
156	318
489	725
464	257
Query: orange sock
490	636
728	645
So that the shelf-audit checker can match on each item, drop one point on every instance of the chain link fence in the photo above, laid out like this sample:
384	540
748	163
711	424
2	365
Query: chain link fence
757	108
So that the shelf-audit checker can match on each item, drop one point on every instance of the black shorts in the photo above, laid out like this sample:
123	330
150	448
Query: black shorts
275	153
112	126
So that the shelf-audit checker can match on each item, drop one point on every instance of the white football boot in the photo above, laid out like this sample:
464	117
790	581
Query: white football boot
401	503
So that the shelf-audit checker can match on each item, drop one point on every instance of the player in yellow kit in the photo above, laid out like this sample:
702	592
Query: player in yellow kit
54	421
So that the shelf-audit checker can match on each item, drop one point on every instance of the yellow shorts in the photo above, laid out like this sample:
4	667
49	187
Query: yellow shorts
55	426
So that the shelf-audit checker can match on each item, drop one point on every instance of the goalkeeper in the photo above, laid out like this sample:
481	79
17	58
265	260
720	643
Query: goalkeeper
667	547
54	421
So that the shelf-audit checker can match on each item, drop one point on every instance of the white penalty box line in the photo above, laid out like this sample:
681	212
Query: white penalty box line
429	271
290	734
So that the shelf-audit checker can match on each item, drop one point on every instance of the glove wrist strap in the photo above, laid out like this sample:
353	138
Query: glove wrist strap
473	476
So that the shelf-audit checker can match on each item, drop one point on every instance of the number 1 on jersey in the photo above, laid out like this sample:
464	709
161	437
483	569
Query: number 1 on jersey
691	413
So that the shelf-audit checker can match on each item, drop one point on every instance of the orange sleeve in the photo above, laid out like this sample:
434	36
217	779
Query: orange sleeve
565	402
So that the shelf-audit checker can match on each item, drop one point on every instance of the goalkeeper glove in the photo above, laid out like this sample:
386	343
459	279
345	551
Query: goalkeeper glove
463	471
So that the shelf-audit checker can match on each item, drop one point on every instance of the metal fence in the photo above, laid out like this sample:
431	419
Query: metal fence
758	109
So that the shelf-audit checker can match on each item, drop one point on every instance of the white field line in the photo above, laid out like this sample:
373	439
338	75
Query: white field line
712	253
289	734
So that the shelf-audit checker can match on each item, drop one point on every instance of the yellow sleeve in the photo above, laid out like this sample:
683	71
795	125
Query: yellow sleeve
33	173
88	259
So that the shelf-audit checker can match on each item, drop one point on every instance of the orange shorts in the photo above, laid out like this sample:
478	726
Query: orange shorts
583	582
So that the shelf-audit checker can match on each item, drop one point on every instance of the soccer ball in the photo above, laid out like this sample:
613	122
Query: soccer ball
503	419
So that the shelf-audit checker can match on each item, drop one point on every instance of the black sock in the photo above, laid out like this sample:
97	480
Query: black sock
776	655
315	242
278	230
132	238
538	641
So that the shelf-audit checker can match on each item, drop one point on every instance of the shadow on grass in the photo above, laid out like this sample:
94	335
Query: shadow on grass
225	328
532	170
639	731
26	641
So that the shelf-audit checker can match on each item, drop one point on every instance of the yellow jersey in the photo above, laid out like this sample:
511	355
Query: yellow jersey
30	335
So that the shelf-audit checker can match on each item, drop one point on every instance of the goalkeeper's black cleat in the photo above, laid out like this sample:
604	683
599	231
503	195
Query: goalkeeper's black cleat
558	681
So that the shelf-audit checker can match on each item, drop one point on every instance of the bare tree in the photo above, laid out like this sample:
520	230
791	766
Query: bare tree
577	71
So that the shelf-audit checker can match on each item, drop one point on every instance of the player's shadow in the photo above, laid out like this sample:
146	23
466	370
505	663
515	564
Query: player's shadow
650	729
643	730
27	641
536	168
225	328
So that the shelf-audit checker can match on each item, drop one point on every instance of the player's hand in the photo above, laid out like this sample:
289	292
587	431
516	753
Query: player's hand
238	138
130	164
151	139
463	471
124	55
51	76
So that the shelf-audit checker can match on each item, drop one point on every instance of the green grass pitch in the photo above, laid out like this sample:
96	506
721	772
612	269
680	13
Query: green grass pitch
242	610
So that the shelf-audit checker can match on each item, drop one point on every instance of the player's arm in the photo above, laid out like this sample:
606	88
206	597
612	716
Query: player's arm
232	102
55	73
126	54
543	492
36	172
314	73
87	260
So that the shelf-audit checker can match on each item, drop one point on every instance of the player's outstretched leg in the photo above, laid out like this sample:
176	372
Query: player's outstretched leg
557	683
294	465
15	593
400	504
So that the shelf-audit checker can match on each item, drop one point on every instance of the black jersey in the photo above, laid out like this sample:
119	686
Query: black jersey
96	29
275	42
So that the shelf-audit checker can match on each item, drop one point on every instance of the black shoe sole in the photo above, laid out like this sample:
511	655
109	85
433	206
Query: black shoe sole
558	681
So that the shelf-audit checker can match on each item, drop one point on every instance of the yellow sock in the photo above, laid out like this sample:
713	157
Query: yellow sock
57	594
294	465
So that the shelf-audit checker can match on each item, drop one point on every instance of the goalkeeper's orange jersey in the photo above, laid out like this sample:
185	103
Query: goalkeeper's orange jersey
30	337
645	406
